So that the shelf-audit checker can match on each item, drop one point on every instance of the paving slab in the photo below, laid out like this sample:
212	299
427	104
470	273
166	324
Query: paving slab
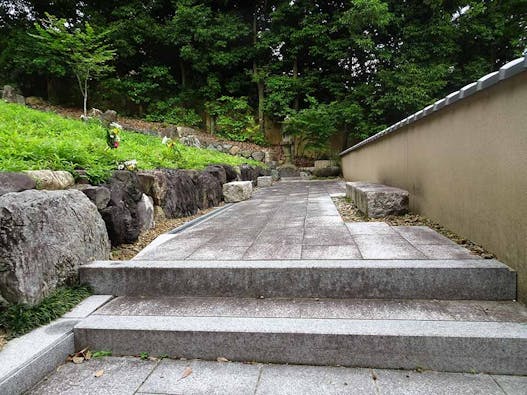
120	376
124	375
311	380
413	383
380	246
207	377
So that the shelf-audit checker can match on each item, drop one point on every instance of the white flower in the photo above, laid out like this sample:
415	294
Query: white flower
165	140
116	125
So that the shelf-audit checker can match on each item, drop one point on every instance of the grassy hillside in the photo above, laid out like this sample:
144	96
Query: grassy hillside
31	139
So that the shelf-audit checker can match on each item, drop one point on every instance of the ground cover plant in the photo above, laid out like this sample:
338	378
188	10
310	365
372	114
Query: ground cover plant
19	319
31	139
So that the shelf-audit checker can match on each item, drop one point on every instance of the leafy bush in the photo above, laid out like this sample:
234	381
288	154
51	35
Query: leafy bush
312	127
170	112
234	119
32	140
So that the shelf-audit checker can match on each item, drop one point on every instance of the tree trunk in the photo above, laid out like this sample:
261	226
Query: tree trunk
86	97
296	105
183	74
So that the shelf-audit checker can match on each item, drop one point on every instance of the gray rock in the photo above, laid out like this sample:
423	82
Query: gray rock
15	182
185	131
230	173
330	171
108	117
218	172
182	196
145	213
227	147
121	215
9	95
258	155
53	180
211	147
235	150
264	181
320	164
44	237
246	153
209	187
288	171
305	175
191	141
237	191
275	174
377	200
99	195
249	173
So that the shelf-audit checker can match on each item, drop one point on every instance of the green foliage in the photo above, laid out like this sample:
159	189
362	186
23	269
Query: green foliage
235	120
312	127
31	139
144	356
101	354
83	51
21	318
170	111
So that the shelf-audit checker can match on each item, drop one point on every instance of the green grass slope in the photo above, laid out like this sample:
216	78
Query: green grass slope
31	140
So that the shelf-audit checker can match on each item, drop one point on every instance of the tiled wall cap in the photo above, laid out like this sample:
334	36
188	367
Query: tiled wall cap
488	80
506	71
468	90
513	68
439	104
452	98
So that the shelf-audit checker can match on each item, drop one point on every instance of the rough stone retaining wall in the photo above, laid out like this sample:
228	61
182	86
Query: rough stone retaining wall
464	162
46	234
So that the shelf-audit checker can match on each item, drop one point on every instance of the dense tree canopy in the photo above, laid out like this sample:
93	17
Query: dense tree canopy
349	65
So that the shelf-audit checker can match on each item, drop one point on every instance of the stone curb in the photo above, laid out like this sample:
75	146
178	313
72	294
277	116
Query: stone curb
28	359
507	71
199	220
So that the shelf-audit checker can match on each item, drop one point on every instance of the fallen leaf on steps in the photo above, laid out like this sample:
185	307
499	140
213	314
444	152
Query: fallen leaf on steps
222	359
77	360
187	372
99	373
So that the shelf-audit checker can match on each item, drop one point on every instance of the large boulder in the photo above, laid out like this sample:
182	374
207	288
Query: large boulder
181	196
108	117
44	237
209	188
121	216
9	95
237	191
191	141
53	180
218	172
15	182
288	170
378	200
249	173
99	195
154	183
145	213
230	173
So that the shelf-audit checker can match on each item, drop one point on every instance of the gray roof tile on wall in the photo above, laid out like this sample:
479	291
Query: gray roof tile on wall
506	71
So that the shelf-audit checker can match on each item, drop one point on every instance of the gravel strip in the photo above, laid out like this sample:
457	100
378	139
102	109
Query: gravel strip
350	213
128	251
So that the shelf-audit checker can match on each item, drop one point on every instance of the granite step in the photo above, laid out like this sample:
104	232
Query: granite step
467	279
453	336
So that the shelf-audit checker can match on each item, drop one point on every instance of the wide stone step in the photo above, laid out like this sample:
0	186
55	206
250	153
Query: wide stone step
457	336
378	279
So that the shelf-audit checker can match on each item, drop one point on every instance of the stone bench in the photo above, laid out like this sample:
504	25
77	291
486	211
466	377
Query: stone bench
377	200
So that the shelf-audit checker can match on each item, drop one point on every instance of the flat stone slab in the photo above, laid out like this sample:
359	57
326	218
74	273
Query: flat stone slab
207	377
401	279
377	200
264	181
455	346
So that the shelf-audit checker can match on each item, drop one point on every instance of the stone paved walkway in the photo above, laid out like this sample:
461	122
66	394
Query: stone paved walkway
298	220
136	376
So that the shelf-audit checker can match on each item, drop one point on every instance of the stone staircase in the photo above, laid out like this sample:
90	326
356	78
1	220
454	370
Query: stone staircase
447	315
